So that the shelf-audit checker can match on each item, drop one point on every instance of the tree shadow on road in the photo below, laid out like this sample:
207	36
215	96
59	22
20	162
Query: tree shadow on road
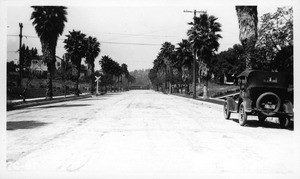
265	124
112	94
64	105
14	125
102	97
94	99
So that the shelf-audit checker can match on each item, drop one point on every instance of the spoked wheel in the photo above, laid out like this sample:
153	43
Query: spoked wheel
284	122
242	115
261	118
226	110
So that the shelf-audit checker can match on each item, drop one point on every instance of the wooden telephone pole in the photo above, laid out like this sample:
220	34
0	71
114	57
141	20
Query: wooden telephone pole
20	55
194	54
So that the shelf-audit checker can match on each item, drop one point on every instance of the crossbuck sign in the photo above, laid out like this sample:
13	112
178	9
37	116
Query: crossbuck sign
97	80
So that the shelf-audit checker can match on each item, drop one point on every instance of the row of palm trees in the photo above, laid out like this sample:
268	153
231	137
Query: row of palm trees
175	66
78	46
49	23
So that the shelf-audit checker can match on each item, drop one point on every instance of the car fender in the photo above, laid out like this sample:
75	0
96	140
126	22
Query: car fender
247	103
288	108
232	105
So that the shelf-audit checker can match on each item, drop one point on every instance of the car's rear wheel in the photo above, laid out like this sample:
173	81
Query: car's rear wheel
242	115
226	110
284	122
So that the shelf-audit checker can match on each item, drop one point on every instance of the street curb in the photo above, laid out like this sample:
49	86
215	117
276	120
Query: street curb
210	100
45	101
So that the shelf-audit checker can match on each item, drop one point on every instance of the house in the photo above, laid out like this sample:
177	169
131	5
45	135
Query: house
39	66
83	71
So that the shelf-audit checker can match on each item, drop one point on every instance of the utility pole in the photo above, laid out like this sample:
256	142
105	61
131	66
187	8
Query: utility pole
20	55
194	54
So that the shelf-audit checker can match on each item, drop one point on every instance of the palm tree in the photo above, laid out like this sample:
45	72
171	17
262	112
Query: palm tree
204	39
92	51
76	47
247	18
185	59
49	23
167	53
110	69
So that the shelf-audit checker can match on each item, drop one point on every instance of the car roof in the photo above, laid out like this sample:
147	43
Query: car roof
246	73
265	78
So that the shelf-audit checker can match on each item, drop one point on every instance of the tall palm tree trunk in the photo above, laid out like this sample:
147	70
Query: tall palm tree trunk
166	80
128	84
77	80
170	82
121	83
92	79
48	50
247	18
49	91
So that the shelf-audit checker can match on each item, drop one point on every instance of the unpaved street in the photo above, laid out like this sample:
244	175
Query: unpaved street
140	133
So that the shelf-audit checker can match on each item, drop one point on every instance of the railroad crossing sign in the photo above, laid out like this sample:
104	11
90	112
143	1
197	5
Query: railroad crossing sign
97	80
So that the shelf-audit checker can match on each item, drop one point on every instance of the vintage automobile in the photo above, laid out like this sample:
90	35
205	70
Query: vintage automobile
263	94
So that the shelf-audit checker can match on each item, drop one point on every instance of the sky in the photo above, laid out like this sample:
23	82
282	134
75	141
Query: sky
132	32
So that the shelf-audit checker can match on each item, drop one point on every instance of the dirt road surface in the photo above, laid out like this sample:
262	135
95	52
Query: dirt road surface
144	134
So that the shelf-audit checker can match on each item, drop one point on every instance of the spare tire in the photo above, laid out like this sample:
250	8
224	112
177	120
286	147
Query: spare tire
269	99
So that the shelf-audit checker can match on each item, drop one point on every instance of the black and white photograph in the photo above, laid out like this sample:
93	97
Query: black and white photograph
149	89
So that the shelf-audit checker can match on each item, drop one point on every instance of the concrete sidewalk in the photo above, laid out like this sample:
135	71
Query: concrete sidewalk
210	100
19	104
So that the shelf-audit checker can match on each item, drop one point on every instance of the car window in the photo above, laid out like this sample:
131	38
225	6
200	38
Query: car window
242	82
271	79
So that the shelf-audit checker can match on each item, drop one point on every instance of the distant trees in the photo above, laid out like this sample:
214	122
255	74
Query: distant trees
171	66
113	72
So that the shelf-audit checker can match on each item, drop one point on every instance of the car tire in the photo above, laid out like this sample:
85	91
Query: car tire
242	115
284	122
262	96
261	118
226	110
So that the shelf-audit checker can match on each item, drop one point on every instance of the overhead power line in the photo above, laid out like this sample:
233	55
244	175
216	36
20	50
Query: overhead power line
130	35
104	42
125	43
